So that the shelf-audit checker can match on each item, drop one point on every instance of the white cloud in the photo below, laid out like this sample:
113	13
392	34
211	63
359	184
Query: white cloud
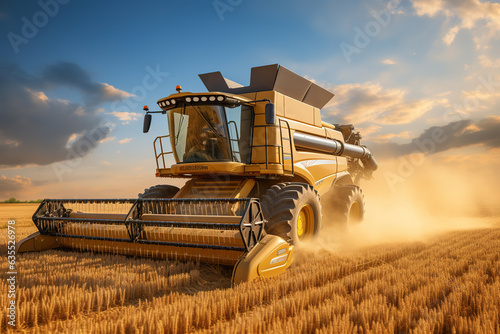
125	116
79	136
38	95
367	131
445	93
388	136
107	139
450	36
9	142
47	124
481	99
388	62
14	182
469	13
363	102
486	62
80	111
112	92
72	138
125	141
429	7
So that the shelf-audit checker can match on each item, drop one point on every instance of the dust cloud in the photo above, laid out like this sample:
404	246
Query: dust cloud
409	202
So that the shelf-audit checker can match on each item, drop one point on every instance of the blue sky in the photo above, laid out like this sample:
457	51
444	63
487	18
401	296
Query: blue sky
421	61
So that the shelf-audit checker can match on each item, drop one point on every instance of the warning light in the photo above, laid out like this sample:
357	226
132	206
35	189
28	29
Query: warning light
146	108
178	88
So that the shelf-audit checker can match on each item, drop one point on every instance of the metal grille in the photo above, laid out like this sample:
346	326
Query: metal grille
111	222
209	206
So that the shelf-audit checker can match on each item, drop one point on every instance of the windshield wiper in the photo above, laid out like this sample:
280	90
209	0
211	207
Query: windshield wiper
180	124
214	130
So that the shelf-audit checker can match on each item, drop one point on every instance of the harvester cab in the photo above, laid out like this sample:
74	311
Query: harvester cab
257	160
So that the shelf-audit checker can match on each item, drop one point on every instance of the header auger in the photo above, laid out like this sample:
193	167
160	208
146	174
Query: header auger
257	160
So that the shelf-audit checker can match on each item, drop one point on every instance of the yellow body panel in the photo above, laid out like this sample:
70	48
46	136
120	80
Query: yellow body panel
270	257
224	257
204	168
36	242
295	110
341	164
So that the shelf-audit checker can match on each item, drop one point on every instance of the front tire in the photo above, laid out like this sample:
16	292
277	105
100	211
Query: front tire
160	191
293	211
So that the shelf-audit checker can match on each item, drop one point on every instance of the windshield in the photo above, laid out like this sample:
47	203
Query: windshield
201	133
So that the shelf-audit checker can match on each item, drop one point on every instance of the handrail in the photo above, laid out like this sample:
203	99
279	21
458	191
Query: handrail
290	142
162	153
232	140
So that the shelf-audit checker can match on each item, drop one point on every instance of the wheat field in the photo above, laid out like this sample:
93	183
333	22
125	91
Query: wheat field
448	283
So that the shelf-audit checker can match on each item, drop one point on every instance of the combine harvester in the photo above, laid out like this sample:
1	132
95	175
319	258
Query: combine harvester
257	159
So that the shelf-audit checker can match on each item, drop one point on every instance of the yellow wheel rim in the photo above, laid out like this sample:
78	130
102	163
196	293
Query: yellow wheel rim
354	214
305	222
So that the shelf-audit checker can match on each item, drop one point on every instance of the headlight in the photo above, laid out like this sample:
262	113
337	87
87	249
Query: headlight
196	99
212	98
220	98
188	99
204	99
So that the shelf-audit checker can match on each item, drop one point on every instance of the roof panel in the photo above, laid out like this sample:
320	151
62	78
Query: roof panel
271	77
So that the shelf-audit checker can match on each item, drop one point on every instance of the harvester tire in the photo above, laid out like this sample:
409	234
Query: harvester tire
292	211
160	191
348	204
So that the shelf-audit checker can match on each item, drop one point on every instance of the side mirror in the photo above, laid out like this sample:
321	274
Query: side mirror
270	113
147	123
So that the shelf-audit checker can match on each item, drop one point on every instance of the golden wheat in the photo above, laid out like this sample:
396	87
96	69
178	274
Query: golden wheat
450	283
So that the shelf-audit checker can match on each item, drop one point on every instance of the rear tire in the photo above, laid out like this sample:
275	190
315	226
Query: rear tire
293	211
348	206
160	191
